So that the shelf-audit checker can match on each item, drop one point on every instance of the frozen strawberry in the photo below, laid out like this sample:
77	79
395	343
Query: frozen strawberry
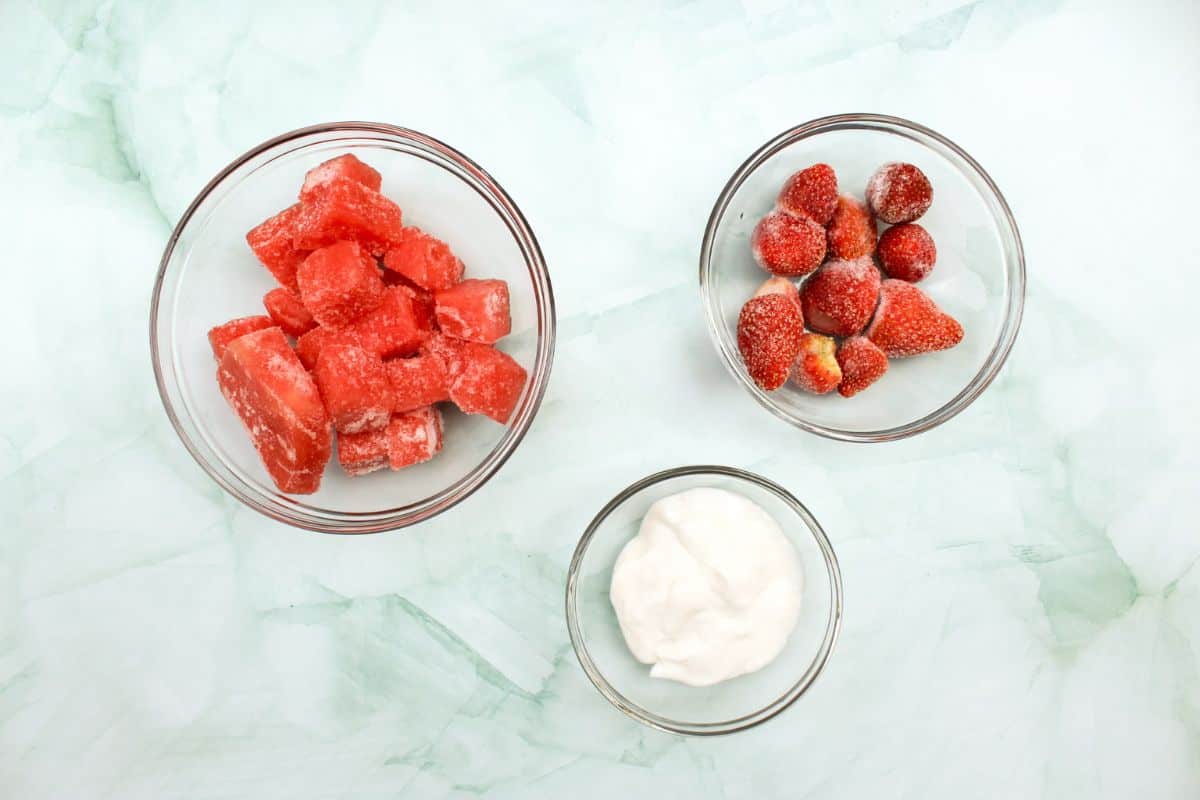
484	380
851	229
816	369
475	310
768	335
272	242
425	260
339	284
908	322
414	437
280	407
286	311
785	244
907	252
347	166
862	364
220	336
343	209
355	388
418	381
899	192
811	192
780	286
839	298
360	453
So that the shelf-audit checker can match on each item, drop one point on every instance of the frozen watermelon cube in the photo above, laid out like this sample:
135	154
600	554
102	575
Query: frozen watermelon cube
418	381
279	405
273	242
397	327
414	437
484	380
347	166
425	260
220	336
360	453
355	388
474	310
286	311
345	209
339	284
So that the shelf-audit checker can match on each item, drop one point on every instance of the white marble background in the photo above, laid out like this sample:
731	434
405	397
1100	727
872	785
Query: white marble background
1023	606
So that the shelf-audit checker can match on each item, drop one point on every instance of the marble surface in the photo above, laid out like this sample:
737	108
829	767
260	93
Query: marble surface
1022	601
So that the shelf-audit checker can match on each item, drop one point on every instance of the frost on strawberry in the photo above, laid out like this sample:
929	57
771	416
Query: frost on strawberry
768	335
908	322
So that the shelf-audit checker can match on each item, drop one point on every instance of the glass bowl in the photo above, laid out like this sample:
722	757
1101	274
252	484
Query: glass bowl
732	705
209	275
979	277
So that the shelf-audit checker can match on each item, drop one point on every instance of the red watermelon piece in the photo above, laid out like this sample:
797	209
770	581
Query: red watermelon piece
397	327
344	209
220	336
484	380
280	407
273	241
347	166
418	381
474	310
339	284
414	437
286	311
360	453
355	388
425	260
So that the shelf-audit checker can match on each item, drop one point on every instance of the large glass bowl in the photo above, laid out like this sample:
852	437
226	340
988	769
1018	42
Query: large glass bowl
209	275
732	705
979	277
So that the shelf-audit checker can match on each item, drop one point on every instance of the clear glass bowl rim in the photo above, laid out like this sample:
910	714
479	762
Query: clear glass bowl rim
832	629
326	521
1015	267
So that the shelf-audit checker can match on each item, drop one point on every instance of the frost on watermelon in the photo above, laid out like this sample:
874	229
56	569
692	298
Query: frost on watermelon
339	284
347	166
414	437
220	336
273	241
286	311
397	327
425	260
344	209
474	310
483	380
355	388
360	453
280	407
418	381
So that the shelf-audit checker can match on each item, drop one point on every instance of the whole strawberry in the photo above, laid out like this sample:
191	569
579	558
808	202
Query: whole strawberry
906	251
908	322
899	192
851	230
786	244
861	363
768	333
811	192
839	298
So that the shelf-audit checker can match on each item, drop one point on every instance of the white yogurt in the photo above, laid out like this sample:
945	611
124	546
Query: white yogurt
709	589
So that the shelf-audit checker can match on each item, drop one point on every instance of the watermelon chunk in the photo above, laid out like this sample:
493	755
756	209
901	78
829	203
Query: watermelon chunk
347	166
273	242
397	327
425	260
355	388
280	407
483	380
286	311
342	208
418	381
414	437
360	453
474	310
339	284
220	336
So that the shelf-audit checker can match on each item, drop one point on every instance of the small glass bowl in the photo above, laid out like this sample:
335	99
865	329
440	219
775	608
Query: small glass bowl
979	277
209	275
732	705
